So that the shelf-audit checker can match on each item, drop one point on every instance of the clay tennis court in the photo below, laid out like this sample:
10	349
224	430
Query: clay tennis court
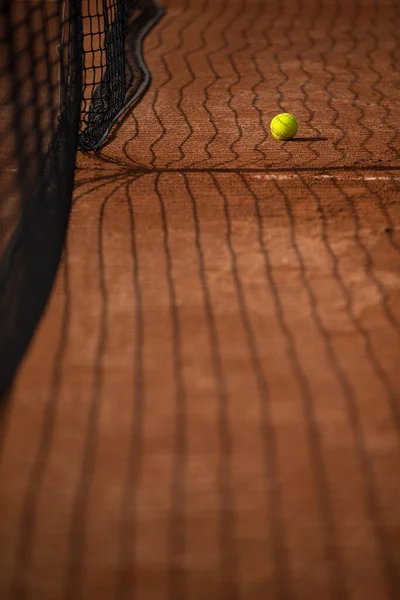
210	407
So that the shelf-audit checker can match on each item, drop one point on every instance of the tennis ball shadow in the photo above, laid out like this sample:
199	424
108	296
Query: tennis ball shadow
308	139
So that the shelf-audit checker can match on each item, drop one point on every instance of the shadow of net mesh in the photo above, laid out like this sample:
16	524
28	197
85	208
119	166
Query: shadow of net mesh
68	70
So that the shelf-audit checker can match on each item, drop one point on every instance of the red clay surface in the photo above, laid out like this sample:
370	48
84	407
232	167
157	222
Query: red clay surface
210	407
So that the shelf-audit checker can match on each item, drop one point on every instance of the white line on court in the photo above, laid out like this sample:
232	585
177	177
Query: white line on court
268	176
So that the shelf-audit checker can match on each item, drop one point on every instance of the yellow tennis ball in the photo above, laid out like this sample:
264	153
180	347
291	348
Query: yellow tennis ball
284	126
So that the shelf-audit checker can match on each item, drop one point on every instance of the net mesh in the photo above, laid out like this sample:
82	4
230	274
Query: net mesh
68	70
115	75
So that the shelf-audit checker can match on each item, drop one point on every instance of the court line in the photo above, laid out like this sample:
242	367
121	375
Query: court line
268	170
274	175
278	177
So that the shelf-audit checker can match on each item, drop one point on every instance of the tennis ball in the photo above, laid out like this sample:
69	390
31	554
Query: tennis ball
284	126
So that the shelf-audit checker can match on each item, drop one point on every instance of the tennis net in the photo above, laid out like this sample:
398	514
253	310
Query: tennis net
68	70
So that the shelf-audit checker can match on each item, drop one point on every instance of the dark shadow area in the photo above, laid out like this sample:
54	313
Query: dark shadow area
5	409
308	139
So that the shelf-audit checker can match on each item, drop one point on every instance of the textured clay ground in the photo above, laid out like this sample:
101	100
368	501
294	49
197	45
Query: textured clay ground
210	407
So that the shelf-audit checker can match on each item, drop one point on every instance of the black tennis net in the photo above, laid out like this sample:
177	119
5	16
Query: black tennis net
68	70
115	75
